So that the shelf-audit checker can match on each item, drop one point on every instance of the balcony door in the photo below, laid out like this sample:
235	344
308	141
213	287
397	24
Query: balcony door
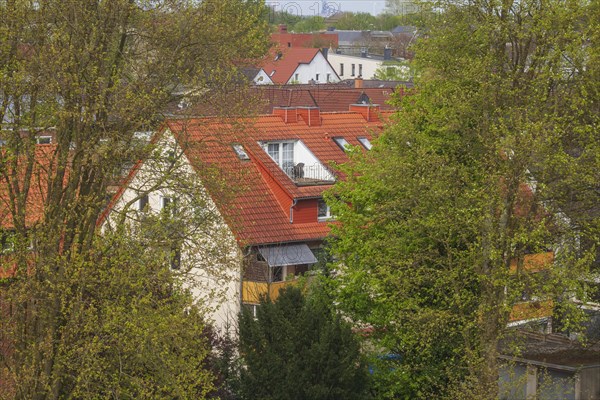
283	154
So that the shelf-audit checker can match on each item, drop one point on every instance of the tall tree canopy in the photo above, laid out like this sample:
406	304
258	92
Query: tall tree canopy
91	74
299	348
494	156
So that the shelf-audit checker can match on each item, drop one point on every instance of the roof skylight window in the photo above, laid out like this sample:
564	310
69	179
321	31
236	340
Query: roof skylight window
342	143
240	152
365	142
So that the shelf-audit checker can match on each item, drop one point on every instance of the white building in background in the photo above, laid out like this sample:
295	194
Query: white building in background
364	66
296	65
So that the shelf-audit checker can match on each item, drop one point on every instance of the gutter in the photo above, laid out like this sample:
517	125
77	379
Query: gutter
294	202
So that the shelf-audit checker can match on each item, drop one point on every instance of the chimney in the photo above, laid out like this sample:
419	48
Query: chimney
387	53
358	83
325	51
370	112
288	114
310	115
282	28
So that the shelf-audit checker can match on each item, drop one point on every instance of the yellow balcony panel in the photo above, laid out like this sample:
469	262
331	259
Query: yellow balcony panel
252	292
534	262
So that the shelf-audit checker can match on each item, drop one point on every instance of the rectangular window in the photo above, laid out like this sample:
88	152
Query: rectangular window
287	157
240	151
323	212
297	77
328	77
341	69
7	242
175	258
273	150
353	70
317	77
360	69
341	142
282	153
252	308
277	274
44	139
365	142
143	203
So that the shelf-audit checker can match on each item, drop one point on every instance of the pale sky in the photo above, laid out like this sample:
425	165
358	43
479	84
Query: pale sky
314	7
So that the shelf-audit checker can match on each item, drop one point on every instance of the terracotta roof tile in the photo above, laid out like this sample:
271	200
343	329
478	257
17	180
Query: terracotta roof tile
38	187
280	70
254	213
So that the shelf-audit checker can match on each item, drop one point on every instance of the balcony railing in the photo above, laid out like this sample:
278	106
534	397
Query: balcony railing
308	174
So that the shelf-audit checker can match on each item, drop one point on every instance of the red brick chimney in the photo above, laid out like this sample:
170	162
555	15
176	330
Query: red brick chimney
288	114
358	83
282	28
310	115
370	112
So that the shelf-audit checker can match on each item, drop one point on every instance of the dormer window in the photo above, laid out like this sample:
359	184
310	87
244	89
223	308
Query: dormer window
341	142
283	154
298	162
240	151
365	142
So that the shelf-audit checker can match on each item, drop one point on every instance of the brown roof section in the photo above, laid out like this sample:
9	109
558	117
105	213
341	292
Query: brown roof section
329	98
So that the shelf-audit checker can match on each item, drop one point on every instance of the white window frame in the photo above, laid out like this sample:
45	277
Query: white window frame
280	144
365	142
341	142
141	206
164	204
327	215
38	139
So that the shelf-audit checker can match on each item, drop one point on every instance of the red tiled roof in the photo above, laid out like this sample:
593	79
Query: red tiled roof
280	71
38	187
305	39
328	98
254	213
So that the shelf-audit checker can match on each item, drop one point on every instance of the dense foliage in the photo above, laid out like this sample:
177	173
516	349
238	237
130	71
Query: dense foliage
298	347
495	156
82	317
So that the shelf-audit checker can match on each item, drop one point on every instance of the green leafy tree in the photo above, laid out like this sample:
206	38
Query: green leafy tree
91	74
402	7
309	24
298	347
493	157
393	72
357	21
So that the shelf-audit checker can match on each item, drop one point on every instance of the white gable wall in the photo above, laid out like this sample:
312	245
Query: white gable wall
369	66
211	261
318	65
262	78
